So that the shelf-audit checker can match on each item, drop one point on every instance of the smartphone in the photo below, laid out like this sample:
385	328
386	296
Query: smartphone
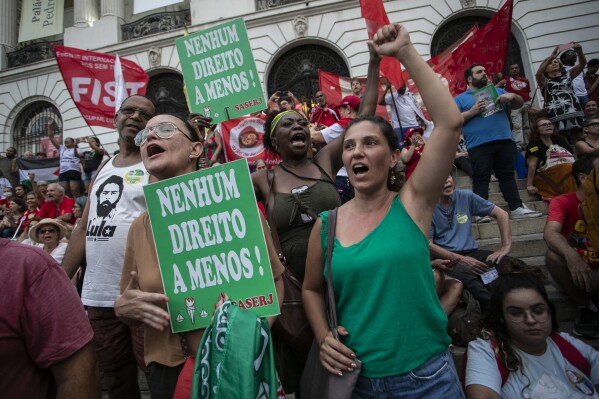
565	46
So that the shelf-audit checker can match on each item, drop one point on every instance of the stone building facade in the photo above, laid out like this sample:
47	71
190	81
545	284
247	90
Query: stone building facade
291	40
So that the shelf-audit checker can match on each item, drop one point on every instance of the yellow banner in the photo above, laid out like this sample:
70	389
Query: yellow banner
41	18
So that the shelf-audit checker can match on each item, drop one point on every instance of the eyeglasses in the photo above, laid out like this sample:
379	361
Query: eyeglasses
593	124
164	130
130	111
518	315
46	231
545	124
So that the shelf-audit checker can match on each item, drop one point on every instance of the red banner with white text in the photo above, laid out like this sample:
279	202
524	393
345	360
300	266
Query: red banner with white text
243	138
89	76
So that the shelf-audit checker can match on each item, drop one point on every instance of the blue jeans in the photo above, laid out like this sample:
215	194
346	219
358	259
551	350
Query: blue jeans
436	378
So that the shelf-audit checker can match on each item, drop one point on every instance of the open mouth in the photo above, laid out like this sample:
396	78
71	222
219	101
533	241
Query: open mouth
359	169
154	149
298	139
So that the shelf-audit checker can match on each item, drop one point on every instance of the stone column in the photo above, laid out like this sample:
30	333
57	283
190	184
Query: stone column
85	13
8	30
114	8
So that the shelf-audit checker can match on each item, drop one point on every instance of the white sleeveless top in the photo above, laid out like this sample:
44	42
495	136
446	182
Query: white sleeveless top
68	160
116	200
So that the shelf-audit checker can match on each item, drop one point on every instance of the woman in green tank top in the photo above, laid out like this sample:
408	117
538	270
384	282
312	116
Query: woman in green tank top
389	315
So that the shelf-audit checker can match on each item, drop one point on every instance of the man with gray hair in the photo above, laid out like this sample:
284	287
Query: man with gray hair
57	206
115	200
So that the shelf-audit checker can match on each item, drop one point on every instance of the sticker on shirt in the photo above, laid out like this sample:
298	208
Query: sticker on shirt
461	217
135	176
581	382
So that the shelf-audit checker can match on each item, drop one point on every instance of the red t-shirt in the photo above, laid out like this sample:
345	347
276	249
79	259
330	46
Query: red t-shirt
565	209
519	86
42	321
323	116
50	210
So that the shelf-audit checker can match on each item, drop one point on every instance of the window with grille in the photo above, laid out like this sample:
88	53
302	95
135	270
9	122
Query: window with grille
30	133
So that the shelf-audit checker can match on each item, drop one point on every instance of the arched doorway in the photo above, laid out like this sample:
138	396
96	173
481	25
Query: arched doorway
166	92
30	132
297	70
452	31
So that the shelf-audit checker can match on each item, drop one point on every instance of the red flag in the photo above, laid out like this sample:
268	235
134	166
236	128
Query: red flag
376	17
243	138
89	76
336	87
443	66
488	46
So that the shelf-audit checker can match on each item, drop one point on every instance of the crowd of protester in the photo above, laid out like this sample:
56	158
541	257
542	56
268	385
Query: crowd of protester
404	252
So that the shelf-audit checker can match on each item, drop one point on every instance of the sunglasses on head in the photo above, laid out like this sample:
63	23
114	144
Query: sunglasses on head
164	130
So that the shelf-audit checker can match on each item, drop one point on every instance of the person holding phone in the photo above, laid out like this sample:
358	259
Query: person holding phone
556	84
70	162
451	238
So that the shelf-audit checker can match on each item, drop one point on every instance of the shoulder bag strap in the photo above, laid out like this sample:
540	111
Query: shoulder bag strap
270	175
332	312
571	354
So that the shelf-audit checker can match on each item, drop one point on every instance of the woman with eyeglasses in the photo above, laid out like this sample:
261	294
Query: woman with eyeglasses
49	233
170	147
549	158
590	140
521	354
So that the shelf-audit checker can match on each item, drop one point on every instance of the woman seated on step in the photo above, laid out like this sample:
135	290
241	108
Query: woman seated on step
521	354
549	158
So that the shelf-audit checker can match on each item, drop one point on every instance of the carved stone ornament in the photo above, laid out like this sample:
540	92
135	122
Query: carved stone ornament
300	23
468	3
154	54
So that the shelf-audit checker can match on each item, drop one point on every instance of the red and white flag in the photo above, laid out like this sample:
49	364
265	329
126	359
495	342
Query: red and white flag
336	87
90	78
243	138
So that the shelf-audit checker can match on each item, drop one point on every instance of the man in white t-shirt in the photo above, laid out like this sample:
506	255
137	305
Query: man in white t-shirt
116	199
405	111
569	58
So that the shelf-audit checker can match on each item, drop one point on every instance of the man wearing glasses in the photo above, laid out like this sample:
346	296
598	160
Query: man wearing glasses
102	245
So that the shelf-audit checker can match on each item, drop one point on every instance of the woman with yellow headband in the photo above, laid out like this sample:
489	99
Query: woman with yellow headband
294	193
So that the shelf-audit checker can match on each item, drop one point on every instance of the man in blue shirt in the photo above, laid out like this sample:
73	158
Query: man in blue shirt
451	238
489	141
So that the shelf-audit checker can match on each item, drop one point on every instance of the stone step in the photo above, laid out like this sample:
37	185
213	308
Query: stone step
465	183
497	198
539	206
523	246
519	227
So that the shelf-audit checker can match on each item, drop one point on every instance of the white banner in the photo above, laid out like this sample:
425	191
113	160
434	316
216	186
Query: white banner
147	5
41	18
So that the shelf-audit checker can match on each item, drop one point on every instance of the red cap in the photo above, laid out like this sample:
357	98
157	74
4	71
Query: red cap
351	101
